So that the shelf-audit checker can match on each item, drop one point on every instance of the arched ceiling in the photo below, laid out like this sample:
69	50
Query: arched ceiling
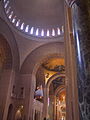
41	18
38	55
40	12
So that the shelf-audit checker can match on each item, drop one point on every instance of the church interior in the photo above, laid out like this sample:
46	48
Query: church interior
44	60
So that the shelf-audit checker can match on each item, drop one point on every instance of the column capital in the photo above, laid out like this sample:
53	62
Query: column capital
70	2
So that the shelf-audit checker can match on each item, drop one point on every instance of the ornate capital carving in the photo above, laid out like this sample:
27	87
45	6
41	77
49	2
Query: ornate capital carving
70	2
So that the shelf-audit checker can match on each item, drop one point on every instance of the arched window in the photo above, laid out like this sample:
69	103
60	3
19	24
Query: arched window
8	10
22	26
48	34
32	30
37	32
13	20
18	22
58	31
11	14
42	33
53	32
27	28
6	4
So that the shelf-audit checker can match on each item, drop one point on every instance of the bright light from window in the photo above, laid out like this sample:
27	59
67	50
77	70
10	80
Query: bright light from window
48	34
37	32
6	4
11	14
5	1
42	33
32	30
78	47
22	26
8	10
58	31
13	20
53	32
27	28
17	24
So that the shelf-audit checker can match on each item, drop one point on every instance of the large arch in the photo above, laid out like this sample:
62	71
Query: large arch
58	90
33	60
53	78
9	60
32	63
6	33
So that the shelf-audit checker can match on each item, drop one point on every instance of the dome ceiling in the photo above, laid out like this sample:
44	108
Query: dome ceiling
40	12
46	15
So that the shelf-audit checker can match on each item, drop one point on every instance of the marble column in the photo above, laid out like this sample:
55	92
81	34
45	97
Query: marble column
81	30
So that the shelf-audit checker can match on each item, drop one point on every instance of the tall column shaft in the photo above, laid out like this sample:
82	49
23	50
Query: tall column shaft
81	29
45	108
72	112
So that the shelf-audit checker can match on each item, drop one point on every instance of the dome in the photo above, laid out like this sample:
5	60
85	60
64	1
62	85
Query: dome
42	18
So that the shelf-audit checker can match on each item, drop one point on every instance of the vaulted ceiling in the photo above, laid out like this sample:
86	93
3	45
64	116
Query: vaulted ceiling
40	12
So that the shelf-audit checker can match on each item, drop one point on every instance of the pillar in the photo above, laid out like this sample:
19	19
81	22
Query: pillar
72	112
55	107
81	32
46	96
31	99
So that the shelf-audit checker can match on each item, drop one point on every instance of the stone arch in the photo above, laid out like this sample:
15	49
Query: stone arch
33	60
9	59
59	89
53	77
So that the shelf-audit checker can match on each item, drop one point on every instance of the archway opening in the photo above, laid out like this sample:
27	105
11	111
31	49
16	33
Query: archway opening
10	112
50	75
61	105
57	99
